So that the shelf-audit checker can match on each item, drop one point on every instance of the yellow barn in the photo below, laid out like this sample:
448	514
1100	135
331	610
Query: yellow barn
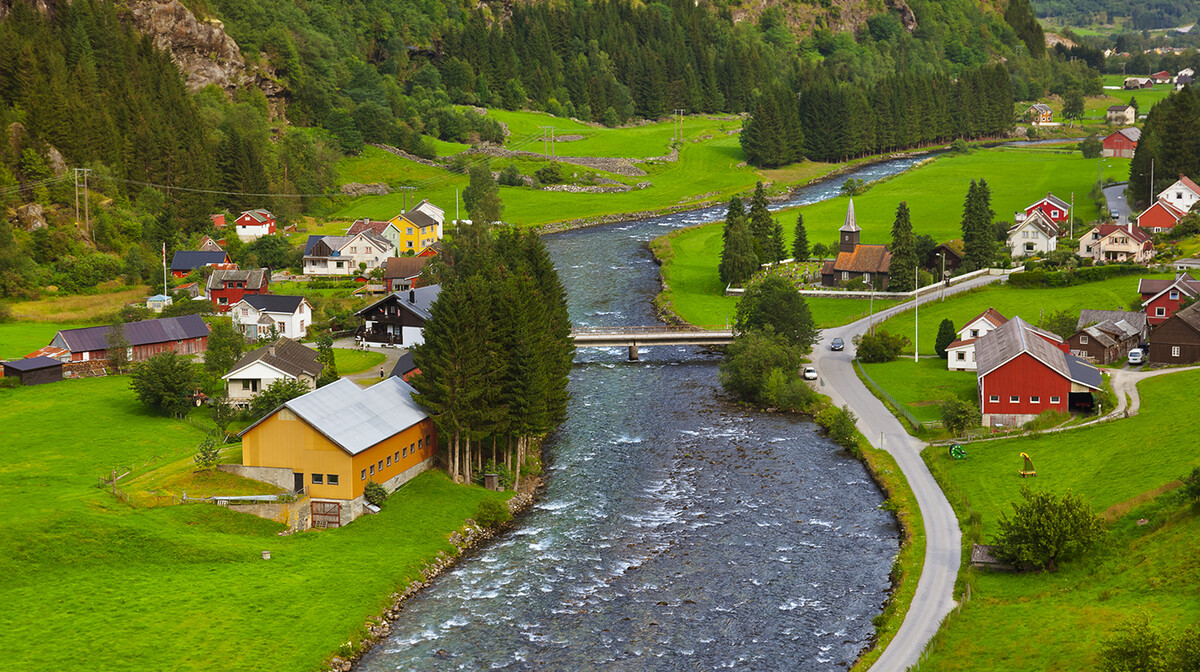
336	439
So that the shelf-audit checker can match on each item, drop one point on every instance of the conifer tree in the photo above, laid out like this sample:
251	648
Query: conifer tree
762	226
738	259
902	274
945	337
978	238
734	212
800	249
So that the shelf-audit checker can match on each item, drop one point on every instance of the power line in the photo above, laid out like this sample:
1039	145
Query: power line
214	191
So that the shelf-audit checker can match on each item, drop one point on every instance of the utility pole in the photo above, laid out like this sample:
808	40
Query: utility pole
1151	201
87	217
678	119
408	197
548	134
916	315
1071	214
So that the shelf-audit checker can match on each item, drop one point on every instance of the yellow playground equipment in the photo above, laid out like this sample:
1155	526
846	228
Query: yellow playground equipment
1028	470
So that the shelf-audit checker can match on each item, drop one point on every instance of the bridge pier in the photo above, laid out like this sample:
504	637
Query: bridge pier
633	352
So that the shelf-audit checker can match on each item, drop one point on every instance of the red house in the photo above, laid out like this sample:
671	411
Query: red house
403	273
186	261
254	224
1053	207
1161	77
1162	216
1161	298
431	250
1123	143
226	288
1024	371
186	335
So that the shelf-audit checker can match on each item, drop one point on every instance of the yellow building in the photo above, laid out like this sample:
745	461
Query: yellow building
336	439
419	228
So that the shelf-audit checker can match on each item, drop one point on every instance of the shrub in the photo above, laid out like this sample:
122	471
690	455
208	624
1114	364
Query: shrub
532	466
492	513
880	346
375	493
501	470
207	454
1045	528
839	425
1091	147
9	382
1191	485
550	173
959	415
751	359
511	176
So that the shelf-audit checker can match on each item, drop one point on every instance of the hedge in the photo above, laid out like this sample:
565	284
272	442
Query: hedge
1077	276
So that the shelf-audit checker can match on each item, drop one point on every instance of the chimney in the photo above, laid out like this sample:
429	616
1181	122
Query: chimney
271	350
412	296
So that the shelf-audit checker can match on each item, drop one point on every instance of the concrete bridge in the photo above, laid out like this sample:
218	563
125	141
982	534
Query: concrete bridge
633	337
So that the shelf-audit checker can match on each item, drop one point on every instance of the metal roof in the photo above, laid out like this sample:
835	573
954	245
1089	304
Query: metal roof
404	365
162	330
416	301
284	354
32	363
255	278
187	260
273	303
1016	337
354	418
308	244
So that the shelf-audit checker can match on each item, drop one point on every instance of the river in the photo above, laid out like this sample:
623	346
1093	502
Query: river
675	531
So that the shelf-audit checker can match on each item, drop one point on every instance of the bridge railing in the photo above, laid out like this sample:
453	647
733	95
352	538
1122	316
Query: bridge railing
653	329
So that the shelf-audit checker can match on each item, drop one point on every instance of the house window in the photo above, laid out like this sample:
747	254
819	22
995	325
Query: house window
418	444
1013	399
363	476
339	264
1160	312
381	465
994	399
1024	234
318	479
372	470
867	278
1035	400
224	301
1054	213
410	231
389	460
397	458
1083	340
961	356
368	250
1054	400
332	479
412	448
1029	247
426	440
845	275
410	244
1174	350
353	249
974	333
282	327
1174	295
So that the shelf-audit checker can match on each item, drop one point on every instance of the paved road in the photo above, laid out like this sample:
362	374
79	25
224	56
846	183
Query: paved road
943	541
1115	195
1125	381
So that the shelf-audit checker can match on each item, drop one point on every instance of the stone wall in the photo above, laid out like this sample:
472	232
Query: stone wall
276	476
295	514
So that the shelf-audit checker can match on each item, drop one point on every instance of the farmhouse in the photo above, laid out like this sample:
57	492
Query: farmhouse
342	255
947	256
1161	77
960	355
1161	298
226	288
1121	114
385	230
1114	242
186	261
263	315
403	273
337	439
1107	336
254	224
186	335
1176	340
420	227
1122	143
868	263
1181	195
34	370
1052	207
1039	113
398	318
1036	234
1024	371
1160	217
284	359
1138	83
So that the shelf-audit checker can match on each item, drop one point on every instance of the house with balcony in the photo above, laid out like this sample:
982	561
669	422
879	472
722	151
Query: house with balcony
398	319
342	255
1117	243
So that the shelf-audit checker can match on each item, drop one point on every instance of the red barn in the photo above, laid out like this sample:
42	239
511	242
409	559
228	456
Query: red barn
186	261
1161	77
1122	143
254	224
1024	371
1161	298
226	288
1162	216
186	335
1053	207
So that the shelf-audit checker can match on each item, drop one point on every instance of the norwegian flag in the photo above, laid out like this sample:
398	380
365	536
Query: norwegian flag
164	253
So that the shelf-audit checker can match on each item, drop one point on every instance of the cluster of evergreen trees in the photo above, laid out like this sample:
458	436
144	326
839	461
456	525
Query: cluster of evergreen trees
839	120
497	349
978	229
1170	141
750	238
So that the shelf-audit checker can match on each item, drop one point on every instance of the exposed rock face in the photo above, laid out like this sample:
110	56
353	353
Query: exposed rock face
54	158
1054	39
907	18
357	189
31	217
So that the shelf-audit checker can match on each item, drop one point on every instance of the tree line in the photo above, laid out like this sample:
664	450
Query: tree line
1169	142
497	350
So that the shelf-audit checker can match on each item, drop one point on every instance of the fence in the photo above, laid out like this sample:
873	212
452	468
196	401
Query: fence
730	290
878	389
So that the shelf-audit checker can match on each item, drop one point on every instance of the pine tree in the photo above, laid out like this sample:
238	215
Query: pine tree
762	226
777	250
978	238
945	337
800	249
902	273
734	212
738	259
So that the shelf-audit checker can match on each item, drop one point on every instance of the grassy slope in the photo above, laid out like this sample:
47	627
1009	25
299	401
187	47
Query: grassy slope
921	386
94	584
1112	294
1054	621
356	361
79	307
18	339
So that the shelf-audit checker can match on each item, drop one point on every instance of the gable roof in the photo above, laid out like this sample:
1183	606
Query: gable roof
864	259
355	418
1184	283
1119	108
991	315
1099	336
417	301
436	213
1133	133
1136	321
1017	337
209	245
273	303
310	243
404	267
373	226
255	278
418	218
1039	221
33	363
404	365
161	330
1187	183
1189	316
1154	286
260	215
284	354
1054	200
187	260
1134	232
1040	107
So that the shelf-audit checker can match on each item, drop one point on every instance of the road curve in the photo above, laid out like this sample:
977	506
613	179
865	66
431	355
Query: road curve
943	540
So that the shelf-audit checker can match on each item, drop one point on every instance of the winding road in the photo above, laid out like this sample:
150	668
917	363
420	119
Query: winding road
934	598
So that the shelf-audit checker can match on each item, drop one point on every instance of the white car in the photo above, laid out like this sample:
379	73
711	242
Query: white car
1136	356
810	373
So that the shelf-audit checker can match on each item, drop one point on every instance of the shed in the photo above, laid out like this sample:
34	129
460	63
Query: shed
34	370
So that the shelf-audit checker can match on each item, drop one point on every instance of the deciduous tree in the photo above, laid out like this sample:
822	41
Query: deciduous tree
277	394
774	302
1046	528
165	382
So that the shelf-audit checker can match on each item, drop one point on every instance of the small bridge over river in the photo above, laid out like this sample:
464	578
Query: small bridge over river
634	337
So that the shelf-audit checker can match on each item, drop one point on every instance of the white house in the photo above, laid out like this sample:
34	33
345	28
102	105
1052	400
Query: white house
1112	242
284	359
960	355
254	224
256	315
1035	234
341	255
1181	195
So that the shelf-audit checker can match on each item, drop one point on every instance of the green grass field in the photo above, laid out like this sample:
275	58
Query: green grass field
1030	304
94	584
1146	97
1054	621
921	386
18	339
642	141
356	361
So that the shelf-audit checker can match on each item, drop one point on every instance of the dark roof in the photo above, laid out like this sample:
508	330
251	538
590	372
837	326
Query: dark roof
422	299
1136	320
162	330
864	259
367	225
32	364
187	260
1190	316
418	218
404	267
404	365
1017	336
284	354
255	278
308	244
273	303
1084	373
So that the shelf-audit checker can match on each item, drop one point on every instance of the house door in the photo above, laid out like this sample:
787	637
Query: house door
297	482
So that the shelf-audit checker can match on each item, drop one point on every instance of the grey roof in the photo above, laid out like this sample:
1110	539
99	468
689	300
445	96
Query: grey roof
284	354
1039	221
356	418
1041	107
1083	373
33	363
419	218
162	330
1189	316
1100	337
404	365
308	244
417	301
274	303
255	278
1134	321
1133	133
187	260
1016	337
258	214
1118	108
851	224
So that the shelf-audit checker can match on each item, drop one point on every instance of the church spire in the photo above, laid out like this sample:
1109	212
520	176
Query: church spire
849	232
850	224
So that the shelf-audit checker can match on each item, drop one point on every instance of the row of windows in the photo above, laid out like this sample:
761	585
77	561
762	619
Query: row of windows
411	449
1014	399
331	479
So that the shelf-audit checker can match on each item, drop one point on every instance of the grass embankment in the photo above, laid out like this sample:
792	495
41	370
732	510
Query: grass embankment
1029	304
921	386
350	361
91	583
95	307
1055	621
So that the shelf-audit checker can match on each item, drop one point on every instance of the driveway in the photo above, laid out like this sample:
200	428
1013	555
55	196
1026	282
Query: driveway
934	598
1125	381
1115	195
372	374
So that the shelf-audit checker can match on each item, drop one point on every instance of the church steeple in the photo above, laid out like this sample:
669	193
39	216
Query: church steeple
849	231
